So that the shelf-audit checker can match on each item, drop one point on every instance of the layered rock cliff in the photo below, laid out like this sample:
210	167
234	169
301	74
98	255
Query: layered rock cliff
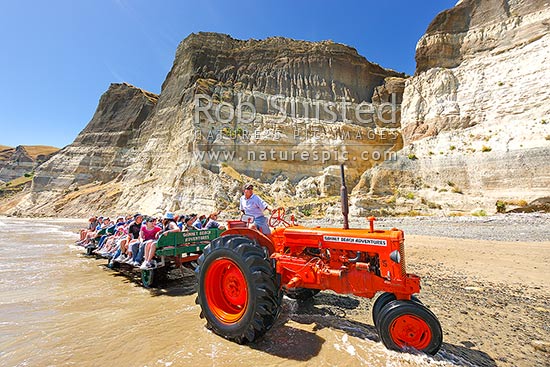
471	126
23	159
276	110
475	115
81	176
106	145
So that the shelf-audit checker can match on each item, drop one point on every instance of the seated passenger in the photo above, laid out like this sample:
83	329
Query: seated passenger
199	223
168	225
134	230
189	222
92	223
212	221
147	234
130	247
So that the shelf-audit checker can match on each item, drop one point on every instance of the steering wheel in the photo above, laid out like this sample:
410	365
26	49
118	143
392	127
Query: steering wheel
277	217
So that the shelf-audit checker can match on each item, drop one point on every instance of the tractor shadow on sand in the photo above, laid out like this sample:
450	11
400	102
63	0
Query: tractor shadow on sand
339	312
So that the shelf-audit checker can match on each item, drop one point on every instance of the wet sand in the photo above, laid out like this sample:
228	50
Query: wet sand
61	308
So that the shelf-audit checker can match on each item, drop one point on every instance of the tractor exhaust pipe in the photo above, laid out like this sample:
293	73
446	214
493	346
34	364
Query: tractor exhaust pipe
344	197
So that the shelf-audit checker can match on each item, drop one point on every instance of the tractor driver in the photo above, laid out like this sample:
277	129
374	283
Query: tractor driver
251	204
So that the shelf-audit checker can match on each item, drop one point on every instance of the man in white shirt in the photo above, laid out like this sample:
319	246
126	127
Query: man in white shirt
251	204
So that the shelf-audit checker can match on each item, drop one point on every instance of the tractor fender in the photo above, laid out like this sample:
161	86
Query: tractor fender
254	235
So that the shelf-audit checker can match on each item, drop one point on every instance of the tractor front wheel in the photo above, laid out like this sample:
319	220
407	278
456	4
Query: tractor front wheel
409	324
382	301
237	289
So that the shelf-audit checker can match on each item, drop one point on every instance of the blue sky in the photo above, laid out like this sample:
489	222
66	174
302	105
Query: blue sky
58	57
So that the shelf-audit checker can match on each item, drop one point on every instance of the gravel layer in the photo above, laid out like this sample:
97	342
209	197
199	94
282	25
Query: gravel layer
532	227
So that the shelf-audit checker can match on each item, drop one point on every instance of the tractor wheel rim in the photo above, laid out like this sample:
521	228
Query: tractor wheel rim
411	331
226	290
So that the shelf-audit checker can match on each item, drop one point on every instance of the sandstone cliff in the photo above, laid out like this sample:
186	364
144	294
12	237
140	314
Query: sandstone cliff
471	126
148	153
80	176
475	115
23	159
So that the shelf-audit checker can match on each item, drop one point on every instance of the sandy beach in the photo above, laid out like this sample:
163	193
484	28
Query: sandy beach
491	297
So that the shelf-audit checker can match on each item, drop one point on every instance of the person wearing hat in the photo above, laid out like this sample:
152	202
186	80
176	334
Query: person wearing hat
169	224
251	204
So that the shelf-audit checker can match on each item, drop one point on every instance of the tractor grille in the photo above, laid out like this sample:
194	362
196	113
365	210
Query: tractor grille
402	253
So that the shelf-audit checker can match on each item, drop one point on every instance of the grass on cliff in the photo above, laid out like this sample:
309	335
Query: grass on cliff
15	185
17	181
36	150
33	151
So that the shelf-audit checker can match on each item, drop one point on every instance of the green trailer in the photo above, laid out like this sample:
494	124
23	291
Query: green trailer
175	249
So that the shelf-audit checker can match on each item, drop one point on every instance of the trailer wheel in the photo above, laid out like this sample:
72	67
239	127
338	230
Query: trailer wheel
113	264
152	278
237	289
301	294
382	301
148	278
409	324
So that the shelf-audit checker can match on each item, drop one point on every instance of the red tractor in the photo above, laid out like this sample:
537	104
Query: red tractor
243	274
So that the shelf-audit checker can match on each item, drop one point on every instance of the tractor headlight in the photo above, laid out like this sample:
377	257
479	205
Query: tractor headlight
395	256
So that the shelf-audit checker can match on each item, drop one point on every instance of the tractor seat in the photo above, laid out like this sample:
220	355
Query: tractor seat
236	224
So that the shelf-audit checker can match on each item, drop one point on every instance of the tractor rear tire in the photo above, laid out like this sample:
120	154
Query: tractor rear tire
237	289
409	324
382	301
301	294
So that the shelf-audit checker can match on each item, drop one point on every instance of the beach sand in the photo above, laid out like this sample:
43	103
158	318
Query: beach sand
60	307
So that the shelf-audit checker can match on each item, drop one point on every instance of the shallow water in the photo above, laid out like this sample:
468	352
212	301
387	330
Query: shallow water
61	308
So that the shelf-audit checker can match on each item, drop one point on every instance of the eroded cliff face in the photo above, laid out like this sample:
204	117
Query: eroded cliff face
277	111
475	116
21	160
96	159
188	151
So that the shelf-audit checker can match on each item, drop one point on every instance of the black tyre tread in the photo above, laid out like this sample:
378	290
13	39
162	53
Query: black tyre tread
398	307
379	304
267	294
301	294
381	301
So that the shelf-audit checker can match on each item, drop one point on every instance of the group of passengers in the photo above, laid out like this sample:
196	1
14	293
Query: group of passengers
132	239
